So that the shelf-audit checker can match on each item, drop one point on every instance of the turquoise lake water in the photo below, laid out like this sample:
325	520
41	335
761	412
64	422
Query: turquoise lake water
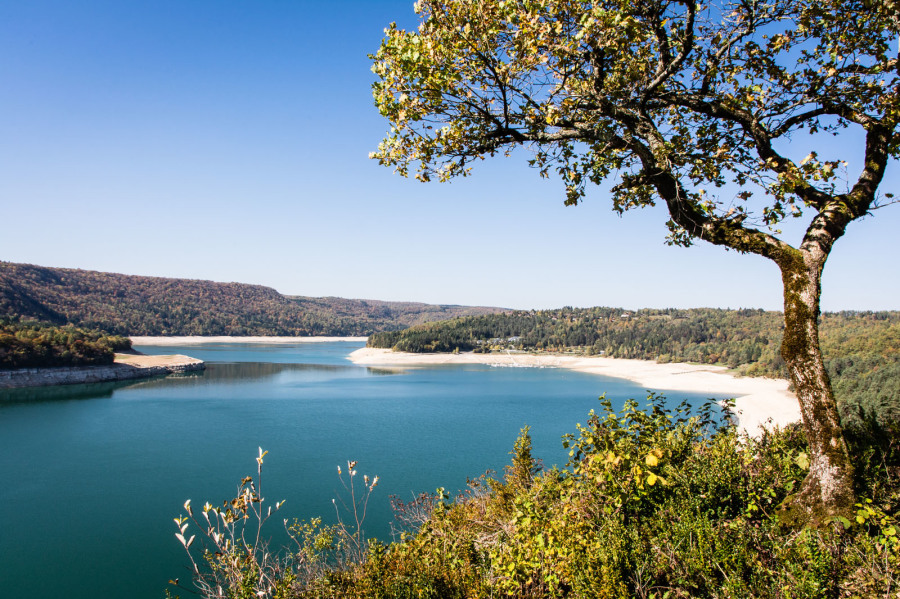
93	475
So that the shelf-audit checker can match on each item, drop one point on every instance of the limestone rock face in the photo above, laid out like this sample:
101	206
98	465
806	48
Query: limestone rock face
126	367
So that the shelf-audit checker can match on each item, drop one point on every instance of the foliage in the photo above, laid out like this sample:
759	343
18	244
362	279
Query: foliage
132	305
656	94
233	559
861	349
31	344
654	503
701	105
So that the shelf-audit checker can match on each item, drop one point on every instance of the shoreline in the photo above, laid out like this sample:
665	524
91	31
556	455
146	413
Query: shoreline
197	340
757	400
126	367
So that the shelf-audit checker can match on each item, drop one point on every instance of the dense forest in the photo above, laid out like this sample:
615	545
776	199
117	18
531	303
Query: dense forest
135	305
862	349
33	344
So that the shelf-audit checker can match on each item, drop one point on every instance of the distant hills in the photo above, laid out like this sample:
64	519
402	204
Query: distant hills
136	305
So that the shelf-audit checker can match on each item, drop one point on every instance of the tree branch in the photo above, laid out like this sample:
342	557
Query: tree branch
791	122
663	72
762	141
688	214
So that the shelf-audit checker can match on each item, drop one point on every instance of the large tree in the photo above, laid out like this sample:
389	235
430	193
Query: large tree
701	106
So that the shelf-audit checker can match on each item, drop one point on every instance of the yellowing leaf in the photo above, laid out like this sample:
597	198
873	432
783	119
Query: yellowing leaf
651	460
651	479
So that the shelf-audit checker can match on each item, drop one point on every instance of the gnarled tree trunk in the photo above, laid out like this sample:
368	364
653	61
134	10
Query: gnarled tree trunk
828	488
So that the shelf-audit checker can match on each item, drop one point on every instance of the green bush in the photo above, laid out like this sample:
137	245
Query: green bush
653	503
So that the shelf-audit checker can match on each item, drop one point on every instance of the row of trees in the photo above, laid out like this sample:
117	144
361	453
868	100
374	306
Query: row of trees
133	305
33	345
861	349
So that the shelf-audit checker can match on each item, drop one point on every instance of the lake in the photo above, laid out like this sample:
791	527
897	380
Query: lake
94	474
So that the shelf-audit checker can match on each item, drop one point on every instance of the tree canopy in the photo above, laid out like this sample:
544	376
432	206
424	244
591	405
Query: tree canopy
34	344
705	94
678	101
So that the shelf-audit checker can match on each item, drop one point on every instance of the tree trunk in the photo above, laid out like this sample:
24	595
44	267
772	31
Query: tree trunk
828	488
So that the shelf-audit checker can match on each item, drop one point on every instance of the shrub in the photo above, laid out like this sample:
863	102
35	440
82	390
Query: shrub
653	503
233	560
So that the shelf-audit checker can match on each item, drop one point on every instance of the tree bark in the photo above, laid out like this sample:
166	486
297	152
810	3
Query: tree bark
827	489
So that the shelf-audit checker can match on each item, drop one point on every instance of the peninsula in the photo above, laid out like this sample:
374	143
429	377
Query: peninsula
125	367
759	401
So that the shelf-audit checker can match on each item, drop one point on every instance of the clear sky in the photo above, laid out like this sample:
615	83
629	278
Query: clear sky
227	140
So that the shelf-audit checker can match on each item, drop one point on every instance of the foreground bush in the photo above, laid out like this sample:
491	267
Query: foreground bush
653	503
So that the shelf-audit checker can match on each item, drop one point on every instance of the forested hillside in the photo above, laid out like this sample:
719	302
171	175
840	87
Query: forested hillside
31	344
135	305
862	349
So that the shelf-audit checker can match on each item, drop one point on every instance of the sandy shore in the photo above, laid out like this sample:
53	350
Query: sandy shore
757	400
224	339
175	363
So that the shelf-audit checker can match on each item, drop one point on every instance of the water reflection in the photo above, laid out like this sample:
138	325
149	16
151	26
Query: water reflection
215	374
382	371
64	392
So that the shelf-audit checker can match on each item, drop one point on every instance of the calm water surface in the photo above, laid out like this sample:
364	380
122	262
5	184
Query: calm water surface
94	474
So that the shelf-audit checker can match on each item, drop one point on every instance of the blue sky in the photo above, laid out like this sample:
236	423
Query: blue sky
228	141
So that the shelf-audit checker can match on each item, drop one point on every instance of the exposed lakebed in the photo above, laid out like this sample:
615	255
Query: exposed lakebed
95	474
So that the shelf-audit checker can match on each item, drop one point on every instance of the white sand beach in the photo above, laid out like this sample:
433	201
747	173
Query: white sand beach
176	361
758	401
224	339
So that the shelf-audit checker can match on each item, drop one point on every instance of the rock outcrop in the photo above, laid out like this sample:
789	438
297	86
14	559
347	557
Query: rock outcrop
126	367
